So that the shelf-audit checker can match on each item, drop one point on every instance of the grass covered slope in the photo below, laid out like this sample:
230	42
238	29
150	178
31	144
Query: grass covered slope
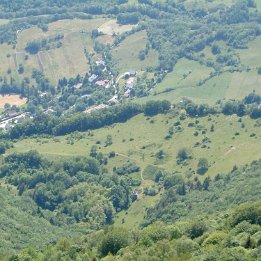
232	141
127	53
66	61
191	79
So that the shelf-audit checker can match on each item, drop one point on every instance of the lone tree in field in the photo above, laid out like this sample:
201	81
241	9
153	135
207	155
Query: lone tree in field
108	141
183	154
93	152
202	166
160	154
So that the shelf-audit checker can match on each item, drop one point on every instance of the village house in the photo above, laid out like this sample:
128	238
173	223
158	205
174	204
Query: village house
11	113
20	118
78	86
130	81
107	86
43	94
50	111
129	86
127	93
132	73
95	108
92	78
6	126
135	195
101	83
100	63
113	100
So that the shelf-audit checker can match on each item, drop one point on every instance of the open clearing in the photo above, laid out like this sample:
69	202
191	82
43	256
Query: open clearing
113	28
12	99
67	61
127	53
186	73
139	140
258	4
186	76
252	55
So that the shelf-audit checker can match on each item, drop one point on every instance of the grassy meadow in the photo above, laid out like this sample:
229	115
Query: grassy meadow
185	74
185	78
127	53
66	61
4	21
251	56
141	138
69	60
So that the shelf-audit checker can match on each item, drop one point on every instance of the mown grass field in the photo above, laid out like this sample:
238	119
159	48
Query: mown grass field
252	55
136	212
67	61
187	75
127	53
225	86
111	27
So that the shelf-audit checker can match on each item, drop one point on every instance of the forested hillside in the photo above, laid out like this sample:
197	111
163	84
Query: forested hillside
130	130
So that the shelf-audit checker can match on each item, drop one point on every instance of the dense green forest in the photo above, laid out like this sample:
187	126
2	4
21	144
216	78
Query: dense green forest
192	230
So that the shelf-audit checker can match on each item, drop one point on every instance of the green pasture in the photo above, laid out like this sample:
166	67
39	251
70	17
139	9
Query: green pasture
140	139
67	61
186	73
252	55
134	216
127	53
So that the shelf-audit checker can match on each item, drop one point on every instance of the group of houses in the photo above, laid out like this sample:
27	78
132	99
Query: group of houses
11	118
94	78
129	84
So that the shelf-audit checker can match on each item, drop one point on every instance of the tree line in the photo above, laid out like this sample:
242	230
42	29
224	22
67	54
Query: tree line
53	125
